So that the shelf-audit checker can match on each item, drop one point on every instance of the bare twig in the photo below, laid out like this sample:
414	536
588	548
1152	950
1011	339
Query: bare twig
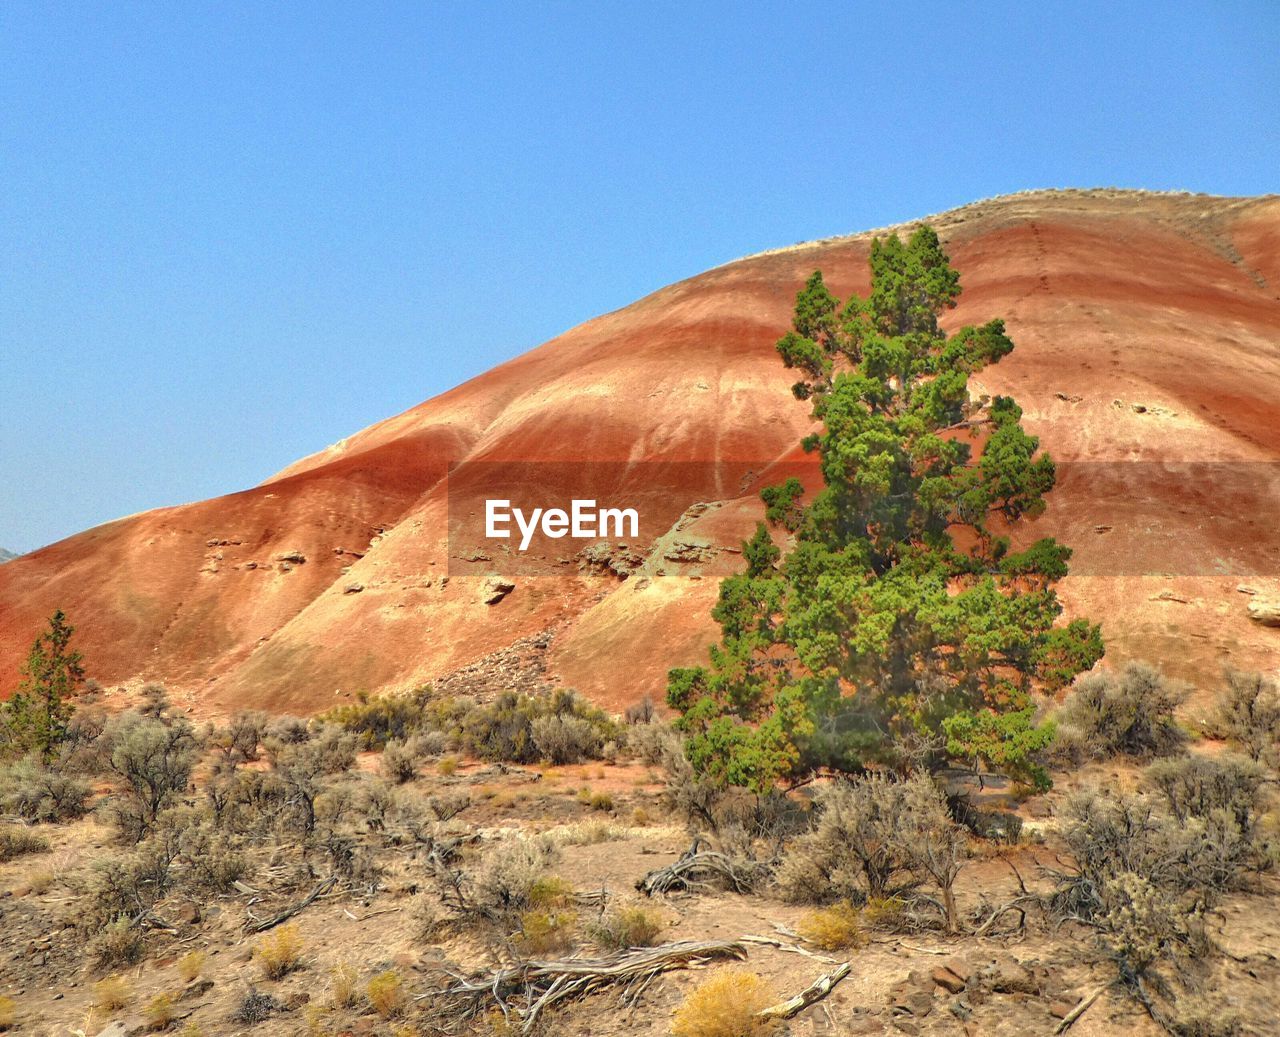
770	941
813	993
1079	1010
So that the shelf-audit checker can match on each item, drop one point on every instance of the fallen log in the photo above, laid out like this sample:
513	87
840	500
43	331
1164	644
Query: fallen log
289	912
542	984
696	866
810	995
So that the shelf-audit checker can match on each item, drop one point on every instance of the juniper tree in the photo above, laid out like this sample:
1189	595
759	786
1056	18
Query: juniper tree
35	718
902	627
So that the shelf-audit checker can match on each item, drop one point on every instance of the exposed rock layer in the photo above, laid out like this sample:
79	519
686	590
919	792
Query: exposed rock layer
1147	360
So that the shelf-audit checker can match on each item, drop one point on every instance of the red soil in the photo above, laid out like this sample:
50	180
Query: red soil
1147	330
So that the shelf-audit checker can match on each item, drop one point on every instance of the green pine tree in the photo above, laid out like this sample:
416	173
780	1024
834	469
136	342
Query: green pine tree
901	629
35	718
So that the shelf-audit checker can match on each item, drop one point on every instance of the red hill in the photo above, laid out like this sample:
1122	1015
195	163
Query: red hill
1148	361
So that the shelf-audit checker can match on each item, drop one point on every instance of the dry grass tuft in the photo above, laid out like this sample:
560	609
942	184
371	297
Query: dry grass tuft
158	1014
726	1005
190	965
280	952
833	928
386	994
344	986
112	994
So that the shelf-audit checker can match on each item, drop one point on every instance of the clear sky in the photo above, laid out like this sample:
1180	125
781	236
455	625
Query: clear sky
231	234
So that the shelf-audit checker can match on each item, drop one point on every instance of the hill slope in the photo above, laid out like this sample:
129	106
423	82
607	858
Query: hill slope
1148	361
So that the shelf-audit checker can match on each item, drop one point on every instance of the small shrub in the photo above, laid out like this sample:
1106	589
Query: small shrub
255	1007
884	913
602	801
245	732
40	881
1196	786
833	928
158	1015
726	1005
399	762
448	805
509	872
642	712
651	741
561	738
386	994
1131	712
18	842
112	994
279	952
287	730
36	792
447	767
344	986
549	892
8	1012
190	965
547	932
119	943
627	927
1248	714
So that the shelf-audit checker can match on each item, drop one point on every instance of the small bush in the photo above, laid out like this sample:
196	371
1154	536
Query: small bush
448	805
884	913
8	1012
119	943
287	730
399	762
1131	712
255	1007
386	994
190	965
158	1015
1196	786
627	927
562	738
447	767
112	994
344	986
509	872
36	792
643	712
545	932
279	952
245	732
154	758
651	741
726	1005
602	801
18	842
550	892
1248	714
833	928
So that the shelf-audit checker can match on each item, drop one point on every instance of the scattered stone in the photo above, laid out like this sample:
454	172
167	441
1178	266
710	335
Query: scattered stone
495	588
1244	588
292	557
1060	1009
353	588
949	980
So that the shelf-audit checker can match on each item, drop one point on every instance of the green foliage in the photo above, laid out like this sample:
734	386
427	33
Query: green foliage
902	626
35	718
154	760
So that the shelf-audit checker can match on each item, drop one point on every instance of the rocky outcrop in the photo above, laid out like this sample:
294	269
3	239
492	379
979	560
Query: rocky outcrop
1265	611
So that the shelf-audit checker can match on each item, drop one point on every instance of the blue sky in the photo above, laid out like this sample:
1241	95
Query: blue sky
233	233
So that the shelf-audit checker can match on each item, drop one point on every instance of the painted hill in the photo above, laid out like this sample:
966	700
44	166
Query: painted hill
1148	361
